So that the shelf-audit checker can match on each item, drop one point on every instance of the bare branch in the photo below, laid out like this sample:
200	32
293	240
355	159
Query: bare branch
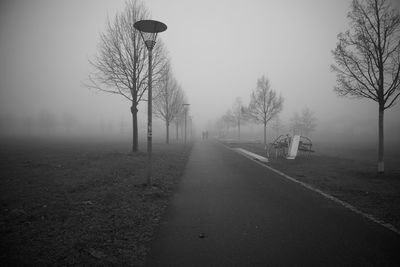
264	103
368	56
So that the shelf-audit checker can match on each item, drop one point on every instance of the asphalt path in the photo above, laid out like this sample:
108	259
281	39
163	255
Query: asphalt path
230	211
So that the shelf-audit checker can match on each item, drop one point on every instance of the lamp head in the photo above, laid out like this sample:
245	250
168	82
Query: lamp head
148	30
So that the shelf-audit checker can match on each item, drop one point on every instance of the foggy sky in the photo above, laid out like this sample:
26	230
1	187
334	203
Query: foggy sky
218	48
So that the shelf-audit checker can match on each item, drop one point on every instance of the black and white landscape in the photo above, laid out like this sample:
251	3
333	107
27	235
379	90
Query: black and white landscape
199	133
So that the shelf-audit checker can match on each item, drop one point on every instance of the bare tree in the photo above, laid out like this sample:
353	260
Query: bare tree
120	65
177	122
264	104
170	99
179	119
308	121
228	120
224	123
368	58
219	128
237	113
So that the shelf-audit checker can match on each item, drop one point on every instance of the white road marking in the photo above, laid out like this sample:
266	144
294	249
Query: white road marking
251	154
248	155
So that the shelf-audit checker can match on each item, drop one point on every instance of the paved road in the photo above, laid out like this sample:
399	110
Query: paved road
229	211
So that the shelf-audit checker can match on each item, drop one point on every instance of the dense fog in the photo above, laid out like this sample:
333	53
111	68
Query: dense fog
218	51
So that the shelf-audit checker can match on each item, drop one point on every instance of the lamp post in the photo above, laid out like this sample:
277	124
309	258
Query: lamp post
148	30
186	111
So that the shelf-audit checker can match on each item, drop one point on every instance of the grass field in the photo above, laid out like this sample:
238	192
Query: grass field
82	202
348	173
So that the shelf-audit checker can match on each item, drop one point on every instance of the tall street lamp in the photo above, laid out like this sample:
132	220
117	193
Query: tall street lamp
186	106
148	30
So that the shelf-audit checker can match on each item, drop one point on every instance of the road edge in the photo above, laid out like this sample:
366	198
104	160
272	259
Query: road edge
326	195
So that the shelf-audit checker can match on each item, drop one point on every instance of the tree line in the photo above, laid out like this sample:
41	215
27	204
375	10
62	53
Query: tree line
264	108
367	66
120	67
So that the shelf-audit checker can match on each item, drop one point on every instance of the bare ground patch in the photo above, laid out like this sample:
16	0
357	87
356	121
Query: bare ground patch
80	204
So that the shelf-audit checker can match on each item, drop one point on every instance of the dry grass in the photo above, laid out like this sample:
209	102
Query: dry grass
79	203
347	178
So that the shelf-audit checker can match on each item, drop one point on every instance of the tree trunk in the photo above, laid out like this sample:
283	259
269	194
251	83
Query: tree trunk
265	134
135	145
177	131
167	131
381	166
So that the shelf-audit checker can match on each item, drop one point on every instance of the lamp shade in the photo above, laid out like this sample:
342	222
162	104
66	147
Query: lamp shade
149	30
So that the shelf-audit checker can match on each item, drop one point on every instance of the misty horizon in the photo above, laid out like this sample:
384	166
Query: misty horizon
218	51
